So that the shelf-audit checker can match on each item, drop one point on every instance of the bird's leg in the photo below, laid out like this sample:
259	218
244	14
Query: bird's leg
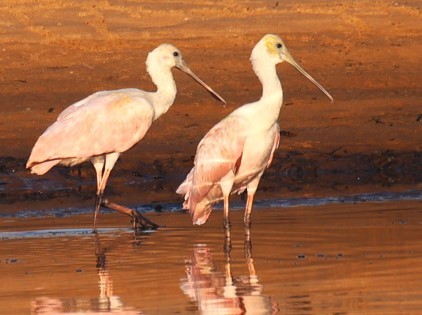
247	222
226	221
227	242
227	227
98	201
248	243
99	197
139	221
249	203
247	218
103	166
98	162
226	185
248	210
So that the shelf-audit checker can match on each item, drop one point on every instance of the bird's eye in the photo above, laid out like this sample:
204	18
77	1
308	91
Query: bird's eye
279	45
176	54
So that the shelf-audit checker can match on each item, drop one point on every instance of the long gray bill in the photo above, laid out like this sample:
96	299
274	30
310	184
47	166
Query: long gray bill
182	66
290	60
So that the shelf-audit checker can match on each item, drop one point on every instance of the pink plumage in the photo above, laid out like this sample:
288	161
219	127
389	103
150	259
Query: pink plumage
107	123
103	123
234	154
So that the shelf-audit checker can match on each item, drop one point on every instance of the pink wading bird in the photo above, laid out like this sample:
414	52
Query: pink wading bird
234	154
105	124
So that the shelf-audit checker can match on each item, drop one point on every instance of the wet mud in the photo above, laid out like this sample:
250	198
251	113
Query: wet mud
294	174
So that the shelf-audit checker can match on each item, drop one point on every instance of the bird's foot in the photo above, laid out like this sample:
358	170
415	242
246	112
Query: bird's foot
141	223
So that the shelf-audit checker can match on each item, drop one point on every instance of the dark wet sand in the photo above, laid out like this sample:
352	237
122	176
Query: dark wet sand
337	259
359	258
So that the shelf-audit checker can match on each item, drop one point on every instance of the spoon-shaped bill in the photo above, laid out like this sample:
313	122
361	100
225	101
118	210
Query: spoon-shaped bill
182	66
289	59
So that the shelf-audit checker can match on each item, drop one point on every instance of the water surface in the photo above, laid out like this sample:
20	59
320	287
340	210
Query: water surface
361	258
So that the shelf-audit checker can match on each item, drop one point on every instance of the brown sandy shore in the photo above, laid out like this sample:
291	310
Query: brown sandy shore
337	258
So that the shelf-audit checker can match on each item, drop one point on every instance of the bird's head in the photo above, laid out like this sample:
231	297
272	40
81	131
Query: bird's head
167	56
273	49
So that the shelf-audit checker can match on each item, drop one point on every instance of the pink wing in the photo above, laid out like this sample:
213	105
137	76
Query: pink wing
219	152
78	105
107	122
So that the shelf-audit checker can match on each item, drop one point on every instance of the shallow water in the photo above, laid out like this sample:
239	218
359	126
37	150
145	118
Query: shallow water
334	259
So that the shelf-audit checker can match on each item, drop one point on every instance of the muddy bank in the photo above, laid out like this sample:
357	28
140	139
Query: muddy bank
292	175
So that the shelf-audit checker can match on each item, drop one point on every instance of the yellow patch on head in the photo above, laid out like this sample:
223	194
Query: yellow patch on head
271	42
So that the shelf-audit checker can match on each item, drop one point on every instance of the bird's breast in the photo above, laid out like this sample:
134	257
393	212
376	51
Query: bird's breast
256	153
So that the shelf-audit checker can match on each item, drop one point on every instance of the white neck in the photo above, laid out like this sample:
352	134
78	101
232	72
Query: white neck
272	93
165	95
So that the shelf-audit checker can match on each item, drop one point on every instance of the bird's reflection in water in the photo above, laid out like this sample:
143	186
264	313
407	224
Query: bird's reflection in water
106	302
221	292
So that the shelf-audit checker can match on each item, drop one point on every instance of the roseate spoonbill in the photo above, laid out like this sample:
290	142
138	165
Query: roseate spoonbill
105	124
234	154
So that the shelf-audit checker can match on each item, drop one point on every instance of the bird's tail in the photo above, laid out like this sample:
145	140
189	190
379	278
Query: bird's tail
41	168
184	188
201	210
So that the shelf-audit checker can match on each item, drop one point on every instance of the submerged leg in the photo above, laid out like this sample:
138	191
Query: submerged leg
248	210
226	220
248	242
227	228
98	201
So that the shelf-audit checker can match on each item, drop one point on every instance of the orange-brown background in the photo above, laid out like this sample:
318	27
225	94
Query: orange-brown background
365	53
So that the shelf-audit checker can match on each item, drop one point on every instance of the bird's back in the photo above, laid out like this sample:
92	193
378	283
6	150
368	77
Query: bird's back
105	122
